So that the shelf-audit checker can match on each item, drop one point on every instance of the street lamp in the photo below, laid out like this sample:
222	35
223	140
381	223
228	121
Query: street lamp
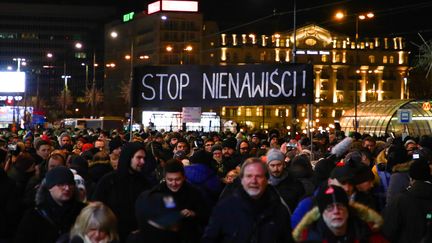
77	45
20	61
114	35
358	17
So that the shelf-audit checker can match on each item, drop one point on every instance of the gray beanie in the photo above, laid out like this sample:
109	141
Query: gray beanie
275	154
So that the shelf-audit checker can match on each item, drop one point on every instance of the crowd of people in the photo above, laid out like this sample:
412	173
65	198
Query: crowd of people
85	185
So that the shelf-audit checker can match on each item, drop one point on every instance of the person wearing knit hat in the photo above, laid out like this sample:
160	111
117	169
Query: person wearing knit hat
230	159
57	206
330	195
336	220
229	143
275	154
217	165
290	189
115	145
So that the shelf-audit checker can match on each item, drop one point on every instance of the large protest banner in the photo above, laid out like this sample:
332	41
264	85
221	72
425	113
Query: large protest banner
234	85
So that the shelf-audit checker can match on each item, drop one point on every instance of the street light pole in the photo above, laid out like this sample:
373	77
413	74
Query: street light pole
358	17
93	104
130	83
114	35
356	66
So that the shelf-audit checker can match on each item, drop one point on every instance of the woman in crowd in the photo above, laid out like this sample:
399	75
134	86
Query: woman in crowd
95	224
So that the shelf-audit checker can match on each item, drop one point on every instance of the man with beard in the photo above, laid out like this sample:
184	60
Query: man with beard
230	159
289	189
337	220
253	213
120	188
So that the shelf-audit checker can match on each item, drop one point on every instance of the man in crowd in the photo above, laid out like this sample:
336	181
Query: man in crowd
57	206
336	220
120	188
230	159
253	213
289	189
189	199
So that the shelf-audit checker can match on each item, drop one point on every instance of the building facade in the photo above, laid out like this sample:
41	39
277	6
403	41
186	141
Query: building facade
45	36
377	66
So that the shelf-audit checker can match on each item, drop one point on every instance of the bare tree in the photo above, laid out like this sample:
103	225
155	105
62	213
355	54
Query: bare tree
125	91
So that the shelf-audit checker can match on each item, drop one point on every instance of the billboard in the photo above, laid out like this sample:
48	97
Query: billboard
12	82
231	85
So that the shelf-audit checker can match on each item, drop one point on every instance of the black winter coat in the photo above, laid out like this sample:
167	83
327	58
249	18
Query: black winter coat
120	189
120	193
189	197
150	234
405	215
47	222
9	216
241	219
291	190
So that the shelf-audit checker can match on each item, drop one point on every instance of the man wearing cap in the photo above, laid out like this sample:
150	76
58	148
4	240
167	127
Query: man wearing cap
120	188
408	215
253	213
57	206
342	176
291	190
334	219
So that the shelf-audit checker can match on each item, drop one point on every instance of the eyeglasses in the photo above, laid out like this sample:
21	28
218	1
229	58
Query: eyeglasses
64	186
334	206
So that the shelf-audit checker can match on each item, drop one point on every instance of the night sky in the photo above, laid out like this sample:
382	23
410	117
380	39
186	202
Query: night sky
392	17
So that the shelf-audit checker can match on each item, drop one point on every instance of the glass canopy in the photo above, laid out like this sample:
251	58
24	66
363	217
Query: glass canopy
380	118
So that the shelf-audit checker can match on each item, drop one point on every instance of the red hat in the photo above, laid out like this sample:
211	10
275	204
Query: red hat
87	146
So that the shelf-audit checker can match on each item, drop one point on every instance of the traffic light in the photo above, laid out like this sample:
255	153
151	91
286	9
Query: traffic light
9	102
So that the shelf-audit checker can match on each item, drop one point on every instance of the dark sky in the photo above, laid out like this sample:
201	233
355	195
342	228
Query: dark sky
393	17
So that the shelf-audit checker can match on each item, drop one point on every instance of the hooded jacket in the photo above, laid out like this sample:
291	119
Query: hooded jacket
119	189
363	226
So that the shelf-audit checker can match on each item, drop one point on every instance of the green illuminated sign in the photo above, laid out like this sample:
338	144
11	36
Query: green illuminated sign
128	17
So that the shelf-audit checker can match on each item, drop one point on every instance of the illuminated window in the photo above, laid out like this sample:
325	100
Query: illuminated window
391	59
223	39
262	56
248	112
338	58
372	59
258	111
384	59
324	58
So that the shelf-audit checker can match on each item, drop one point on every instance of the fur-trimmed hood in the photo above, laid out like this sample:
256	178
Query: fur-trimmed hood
364	213
403	167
